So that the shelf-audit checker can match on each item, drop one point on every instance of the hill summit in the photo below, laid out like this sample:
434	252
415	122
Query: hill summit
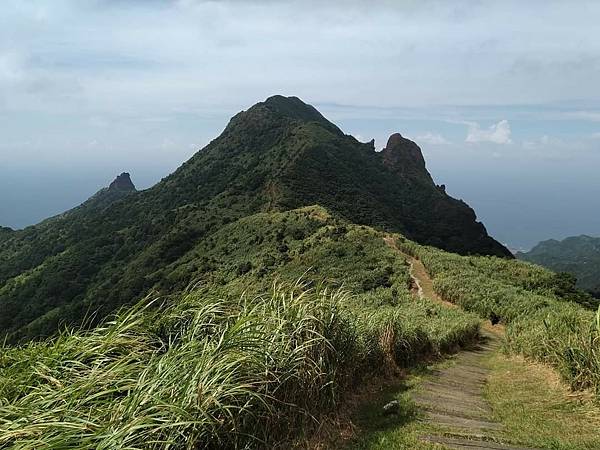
279	155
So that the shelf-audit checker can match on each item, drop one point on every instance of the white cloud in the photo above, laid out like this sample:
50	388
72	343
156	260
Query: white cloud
591	116
188	65
543	142
554	149
431	139
498	133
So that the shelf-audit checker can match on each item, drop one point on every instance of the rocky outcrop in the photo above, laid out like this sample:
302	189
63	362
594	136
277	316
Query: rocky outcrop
403	155
122	183
121	187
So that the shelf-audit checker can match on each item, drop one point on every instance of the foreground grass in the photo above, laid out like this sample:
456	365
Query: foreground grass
211	371
374	431
547	319
538	409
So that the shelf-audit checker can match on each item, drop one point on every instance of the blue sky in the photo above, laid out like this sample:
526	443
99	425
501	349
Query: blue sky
502	97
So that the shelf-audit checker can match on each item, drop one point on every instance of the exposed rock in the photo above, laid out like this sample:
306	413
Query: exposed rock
392	407
122	183
403	154
121	187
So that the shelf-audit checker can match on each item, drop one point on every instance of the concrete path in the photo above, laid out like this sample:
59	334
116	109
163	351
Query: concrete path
452	398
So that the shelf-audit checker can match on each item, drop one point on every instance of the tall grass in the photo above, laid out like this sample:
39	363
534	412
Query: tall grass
540	324
207	371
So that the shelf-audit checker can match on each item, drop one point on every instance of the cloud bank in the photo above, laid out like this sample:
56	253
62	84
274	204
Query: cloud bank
498	133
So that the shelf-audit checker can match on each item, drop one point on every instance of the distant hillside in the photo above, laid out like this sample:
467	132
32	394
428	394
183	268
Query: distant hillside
279	155
578	255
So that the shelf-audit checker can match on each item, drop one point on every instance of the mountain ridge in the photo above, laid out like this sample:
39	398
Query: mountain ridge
279	155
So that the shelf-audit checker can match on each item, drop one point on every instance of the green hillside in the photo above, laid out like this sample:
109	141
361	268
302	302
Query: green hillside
578	256
279	155
5	233
282	316
245	328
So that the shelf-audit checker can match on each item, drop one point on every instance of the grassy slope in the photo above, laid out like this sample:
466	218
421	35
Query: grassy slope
538	409
546	320
229	365
278	155
223	367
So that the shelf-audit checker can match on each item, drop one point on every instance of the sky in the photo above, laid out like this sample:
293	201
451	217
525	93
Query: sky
503	97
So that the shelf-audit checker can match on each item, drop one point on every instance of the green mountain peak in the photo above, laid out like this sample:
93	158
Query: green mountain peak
279	155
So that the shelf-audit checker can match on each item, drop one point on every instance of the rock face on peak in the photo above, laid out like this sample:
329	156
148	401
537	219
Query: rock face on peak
278	155
122	183
119	188
403	155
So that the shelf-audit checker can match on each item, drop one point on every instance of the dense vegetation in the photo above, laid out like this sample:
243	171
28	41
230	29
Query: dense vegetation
279	155
247	356
578	256
236	361
547	318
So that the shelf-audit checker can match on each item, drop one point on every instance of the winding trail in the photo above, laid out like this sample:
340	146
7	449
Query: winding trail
453	397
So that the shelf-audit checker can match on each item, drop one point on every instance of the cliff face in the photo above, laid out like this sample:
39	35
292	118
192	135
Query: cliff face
403	156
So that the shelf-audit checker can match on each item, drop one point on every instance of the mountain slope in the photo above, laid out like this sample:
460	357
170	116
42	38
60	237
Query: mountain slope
250	358
279	155
578	255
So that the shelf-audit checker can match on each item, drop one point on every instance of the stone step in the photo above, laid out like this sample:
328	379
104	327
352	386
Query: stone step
460	371
453	385
455	409
469	444
444	401
463	423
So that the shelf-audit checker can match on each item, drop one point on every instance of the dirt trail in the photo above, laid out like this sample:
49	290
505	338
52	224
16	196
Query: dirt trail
419	275
452	398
